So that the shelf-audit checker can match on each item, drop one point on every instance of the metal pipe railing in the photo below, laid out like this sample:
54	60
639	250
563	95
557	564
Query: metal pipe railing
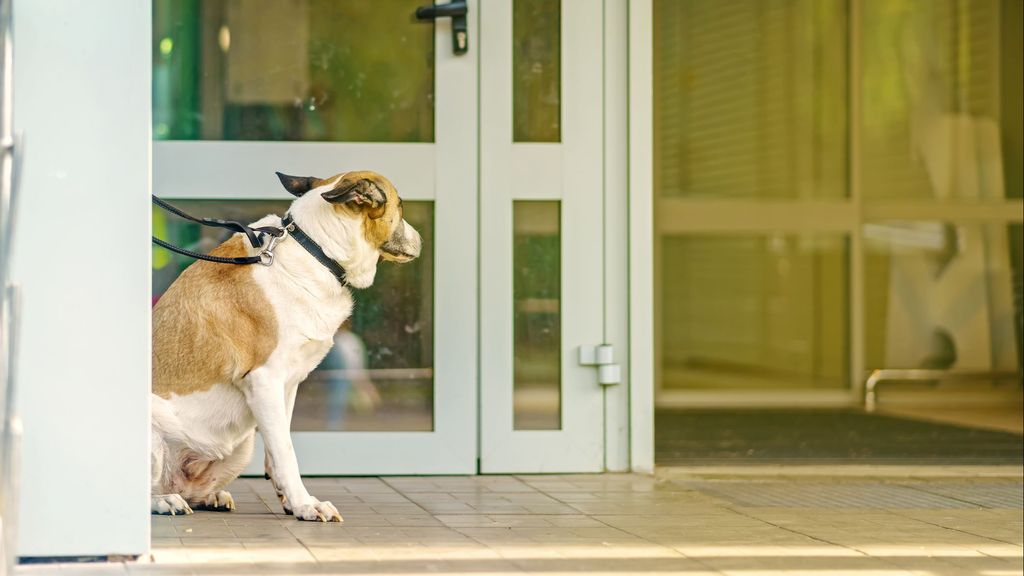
918	374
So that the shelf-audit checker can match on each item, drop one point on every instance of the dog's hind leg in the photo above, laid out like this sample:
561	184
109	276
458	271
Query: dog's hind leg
222	473
162	502
172	504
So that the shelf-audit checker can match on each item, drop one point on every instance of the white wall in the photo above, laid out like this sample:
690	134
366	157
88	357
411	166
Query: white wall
82	97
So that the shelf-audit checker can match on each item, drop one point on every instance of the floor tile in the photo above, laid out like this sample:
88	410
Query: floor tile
692	524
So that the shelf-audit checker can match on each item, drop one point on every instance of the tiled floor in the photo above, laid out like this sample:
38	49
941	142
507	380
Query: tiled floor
819	523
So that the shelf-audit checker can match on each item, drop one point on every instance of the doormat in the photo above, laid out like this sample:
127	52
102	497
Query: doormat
735	436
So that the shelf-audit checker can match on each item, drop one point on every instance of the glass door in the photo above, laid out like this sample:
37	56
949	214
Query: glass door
242	89
541	210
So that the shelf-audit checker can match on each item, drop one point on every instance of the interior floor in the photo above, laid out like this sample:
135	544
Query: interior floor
1005	418
733	436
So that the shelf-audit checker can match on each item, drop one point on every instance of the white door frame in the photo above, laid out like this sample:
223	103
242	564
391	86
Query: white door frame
421	171
602	45
699	216
641	236
616	231
568	171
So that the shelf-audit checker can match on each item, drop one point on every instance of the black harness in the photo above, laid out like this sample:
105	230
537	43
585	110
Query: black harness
256	236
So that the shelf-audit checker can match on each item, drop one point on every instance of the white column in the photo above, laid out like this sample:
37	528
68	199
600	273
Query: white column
81	253
641	246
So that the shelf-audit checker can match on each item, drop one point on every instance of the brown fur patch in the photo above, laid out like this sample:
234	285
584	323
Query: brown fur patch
212	326
377	231
379	224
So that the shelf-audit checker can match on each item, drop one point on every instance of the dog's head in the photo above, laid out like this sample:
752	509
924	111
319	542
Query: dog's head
356	217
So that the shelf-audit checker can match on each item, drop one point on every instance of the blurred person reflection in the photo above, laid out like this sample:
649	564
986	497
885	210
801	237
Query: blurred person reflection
950	305
346	379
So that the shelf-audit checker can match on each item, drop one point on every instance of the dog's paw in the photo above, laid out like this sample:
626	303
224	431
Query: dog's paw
318	512
172	504
284	503
217	502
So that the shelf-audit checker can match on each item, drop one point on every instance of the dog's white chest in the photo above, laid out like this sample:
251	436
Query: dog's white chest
310	307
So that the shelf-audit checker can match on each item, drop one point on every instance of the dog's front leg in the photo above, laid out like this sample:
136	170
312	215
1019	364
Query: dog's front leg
268	466
263	391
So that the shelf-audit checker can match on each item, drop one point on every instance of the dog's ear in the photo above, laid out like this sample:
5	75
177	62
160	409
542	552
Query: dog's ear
360	194
297	185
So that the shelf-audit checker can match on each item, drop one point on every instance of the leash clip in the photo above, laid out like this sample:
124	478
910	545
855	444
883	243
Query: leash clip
267	255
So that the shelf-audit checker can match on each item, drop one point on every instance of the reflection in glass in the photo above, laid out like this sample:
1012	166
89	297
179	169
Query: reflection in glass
750	99
941	295
941	99
753	311
537	294
379	375
314	70
536	70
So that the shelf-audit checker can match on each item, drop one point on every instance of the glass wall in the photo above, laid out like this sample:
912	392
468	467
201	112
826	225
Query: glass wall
942	295
941	125
931	95
806	171
753	311
750	105
750	99
379	375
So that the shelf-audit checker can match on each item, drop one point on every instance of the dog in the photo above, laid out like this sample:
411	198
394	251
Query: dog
232	343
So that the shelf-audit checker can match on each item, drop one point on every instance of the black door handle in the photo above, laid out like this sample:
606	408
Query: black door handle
457	11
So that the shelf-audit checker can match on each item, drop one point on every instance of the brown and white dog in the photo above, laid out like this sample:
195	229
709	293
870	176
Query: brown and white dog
232	343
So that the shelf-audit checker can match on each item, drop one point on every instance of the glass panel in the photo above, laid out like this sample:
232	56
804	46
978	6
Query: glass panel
941	101
753	311
940	295
292	70
537	296
1011	113
379	375
536	70
750	99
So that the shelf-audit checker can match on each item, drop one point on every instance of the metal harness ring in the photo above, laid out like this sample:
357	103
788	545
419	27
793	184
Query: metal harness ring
267	255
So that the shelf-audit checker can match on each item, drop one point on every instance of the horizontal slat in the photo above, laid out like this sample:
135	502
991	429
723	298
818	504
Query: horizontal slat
536	171
205	169
755	398
1005	211
682	216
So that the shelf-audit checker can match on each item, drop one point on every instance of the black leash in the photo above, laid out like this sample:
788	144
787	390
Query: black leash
255	236
207	257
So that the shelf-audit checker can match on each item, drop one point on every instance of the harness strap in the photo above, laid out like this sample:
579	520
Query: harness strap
314	249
